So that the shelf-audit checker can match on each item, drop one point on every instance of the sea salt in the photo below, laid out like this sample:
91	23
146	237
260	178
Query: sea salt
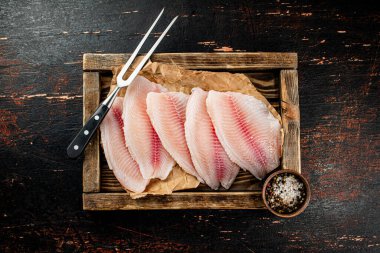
285	193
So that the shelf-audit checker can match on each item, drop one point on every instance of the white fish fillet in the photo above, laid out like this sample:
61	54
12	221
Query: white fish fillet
249	133
119	159
167	112
140	136
209	158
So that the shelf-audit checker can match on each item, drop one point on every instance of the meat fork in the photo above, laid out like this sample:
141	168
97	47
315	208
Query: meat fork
81	140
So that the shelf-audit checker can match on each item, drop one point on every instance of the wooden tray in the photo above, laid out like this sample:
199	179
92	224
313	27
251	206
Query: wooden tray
273	74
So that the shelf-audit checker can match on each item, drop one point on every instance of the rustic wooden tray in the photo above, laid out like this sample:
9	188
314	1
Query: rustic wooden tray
273	74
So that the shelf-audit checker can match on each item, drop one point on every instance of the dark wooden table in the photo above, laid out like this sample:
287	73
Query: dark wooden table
41	47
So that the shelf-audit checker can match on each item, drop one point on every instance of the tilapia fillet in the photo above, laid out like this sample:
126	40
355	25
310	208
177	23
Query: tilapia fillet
140	136
167	112
247	130
209	158
119	160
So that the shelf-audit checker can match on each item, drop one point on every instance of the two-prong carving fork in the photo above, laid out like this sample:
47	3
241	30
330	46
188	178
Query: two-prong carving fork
81	140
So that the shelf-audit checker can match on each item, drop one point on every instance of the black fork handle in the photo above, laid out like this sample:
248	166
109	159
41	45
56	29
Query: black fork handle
81	140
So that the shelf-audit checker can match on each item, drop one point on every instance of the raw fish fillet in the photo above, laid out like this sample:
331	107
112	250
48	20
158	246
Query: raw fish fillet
140	136
167	112
119	159
209	158
249	133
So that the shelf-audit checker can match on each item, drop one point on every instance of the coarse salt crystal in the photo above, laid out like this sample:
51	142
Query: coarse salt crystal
288	189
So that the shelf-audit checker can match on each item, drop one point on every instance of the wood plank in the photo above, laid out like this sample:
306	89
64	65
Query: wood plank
91	162
200	61
290	114
177	200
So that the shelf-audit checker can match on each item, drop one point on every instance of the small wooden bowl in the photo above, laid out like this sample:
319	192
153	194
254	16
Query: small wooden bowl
305	204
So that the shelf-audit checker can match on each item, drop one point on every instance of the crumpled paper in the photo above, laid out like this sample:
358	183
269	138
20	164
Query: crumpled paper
175	78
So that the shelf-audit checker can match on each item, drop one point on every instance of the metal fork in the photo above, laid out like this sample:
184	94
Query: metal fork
81	140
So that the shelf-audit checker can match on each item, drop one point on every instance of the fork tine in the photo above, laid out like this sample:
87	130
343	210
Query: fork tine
135	72
134	54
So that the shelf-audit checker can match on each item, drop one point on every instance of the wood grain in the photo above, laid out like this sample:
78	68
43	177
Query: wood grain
290	115
91	161
177	200
200	61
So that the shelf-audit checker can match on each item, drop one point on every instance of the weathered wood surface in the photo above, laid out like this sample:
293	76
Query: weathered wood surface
290	115
41	47
209	61
91	161
177	200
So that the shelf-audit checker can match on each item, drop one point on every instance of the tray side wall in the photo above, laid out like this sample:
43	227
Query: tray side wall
91	161
200	61
290	115
177	200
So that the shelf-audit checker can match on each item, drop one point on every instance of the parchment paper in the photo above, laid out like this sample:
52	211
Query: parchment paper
175	78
